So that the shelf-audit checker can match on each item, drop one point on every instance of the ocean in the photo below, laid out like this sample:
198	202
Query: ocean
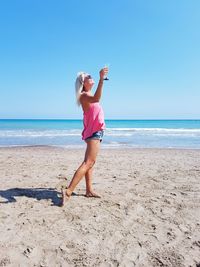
118	134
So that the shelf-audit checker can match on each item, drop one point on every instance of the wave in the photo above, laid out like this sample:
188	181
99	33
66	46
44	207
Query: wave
154	129
45	133
123	132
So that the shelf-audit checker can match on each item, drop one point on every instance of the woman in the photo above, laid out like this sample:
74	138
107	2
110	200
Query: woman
94	125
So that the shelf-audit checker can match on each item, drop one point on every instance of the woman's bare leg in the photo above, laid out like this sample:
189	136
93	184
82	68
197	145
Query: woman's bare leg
88	180
90	158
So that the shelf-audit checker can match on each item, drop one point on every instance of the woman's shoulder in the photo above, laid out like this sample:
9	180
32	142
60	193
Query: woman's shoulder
83	97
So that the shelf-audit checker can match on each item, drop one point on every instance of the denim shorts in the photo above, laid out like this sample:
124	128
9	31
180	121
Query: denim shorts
96	136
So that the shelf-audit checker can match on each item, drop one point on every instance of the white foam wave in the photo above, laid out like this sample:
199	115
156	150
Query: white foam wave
45	133
118	132
152	131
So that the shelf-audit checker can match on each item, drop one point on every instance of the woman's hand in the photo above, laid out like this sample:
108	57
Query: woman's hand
103	72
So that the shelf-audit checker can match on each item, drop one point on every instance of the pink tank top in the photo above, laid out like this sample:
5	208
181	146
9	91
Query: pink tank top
93	120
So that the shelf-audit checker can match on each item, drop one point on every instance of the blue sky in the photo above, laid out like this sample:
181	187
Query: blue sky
152	47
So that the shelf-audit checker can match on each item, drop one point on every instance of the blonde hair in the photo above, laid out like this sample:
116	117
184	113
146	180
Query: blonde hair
79	85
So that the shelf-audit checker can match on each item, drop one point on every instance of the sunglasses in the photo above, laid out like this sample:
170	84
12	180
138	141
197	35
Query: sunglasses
88	77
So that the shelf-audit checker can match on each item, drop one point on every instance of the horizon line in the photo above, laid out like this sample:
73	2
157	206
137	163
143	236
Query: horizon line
82	119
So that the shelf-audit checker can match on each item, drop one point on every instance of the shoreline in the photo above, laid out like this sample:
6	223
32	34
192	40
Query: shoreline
83	147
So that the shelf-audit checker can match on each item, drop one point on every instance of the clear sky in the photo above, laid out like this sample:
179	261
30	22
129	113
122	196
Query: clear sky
153	48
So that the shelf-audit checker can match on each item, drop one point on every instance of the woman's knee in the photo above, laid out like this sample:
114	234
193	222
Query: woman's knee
89	163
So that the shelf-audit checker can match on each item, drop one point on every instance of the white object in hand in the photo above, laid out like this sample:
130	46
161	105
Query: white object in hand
107	65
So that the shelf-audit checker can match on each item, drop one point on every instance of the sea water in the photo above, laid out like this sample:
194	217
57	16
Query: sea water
118	133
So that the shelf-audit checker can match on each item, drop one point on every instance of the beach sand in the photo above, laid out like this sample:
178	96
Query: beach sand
149	213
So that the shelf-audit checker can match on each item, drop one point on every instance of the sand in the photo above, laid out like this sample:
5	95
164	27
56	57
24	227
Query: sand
149	213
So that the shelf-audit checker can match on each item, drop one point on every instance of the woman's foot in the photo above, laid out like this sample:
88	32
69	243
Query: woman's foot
66	194
92	194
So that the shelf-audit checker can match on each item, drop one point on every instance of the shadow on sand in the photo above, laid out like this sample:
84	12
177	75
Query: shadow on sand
37	193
